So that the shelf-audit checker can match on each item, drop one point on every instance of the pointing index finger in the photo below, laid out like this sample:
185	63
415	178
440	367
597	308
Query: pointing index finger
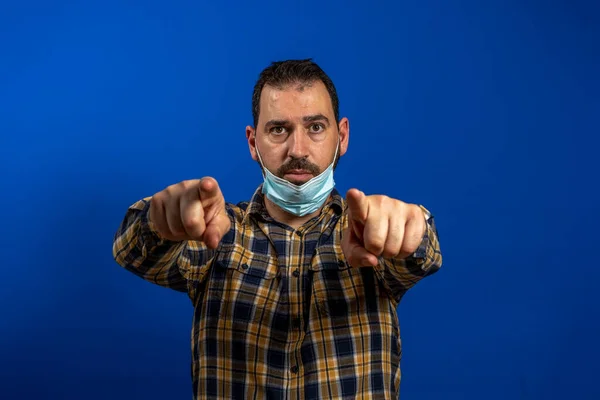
358	207
209	189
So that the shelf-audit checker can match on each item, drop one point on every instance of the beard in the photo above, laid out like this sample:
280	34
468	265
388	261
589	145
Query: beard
299	163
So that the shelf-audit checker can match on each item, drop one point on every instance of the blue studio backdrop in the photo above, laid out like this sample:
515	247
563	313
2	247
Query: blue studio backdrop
485	112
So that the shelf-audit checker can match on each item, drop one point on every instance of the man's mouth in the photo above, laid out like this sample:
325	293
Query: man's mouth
298	175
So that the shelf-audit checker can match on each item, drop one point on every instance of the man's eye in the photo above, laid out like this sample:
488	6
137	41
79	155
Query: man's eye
278	130
316	128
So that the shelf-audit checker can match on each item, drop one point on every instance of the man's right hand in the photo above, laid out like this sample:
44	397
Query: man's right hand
191	210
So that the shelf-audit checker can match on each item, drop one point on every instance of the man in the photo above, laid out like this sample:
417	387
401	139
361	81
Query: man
295	291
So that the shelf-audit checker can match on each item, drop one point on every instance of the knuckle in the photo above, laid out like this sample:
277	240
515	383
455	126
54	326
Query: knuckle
170	192
375	246
390	251
192	222
159	198
378	200
189	188
185	185
402	207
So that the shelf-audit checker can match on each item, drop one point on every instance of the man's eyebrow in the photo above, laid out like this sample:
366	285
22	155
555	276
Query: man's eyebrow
277	122
316	117
307	118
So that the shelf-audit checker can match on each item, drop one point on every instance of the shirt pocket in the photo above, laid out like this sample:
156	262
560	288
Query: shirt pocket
332	282
245	283
244	264
339	290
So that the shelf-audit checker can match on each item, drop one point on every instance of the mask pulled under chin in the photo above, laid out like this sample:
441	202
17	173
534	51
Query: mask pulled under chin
298	200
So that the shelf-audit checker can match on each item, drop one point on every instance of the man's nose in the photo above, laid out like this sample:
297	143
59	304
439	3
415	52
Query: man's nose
298	144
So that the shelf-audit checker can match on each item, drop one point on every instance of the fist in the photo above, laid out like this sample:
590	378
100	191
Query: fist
191	210
380	226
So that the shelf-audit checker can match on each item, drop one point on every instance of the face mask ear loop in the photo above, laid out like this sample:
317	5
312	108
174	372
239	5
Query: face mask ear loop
262	164
337	146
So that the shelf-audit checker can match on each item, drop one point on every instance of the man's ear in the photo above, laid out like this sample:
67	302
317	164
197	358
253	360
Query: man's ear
251	137
344	132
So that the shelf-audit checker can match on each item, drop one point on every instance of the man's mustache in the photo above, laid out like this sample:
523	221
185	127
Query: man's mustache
298	163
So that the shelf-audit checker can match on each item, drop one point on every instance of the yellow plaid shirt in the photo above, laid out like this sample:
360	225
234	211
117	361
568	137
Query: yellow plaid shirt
278	313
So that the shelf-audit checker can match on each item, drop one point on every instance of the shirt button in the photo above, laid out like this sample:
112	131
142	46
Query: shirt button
294	369
296	273
245	266
299	233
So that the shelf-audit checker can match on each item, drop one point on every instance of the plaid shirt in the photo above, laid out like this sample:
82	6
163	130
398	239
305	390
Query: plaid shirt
278	313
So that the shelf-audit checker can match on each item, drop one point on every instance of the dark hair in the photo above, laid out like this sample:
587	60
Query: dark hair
281	73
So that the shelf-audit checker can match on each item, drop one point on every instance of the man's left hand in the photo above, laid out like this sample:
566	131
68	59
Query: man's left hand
380	226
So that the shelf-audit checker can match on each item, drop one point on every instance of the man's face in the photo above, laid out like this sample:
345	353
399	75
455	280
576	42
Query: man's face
296	133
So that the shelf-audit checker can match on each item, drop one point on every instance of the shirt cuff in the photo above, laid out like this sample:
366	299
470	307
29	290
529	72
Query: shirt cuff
148	231
420	255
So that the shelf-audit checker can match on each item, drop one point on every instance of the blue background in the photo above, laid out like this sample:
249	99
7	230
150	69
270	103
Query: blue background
485	112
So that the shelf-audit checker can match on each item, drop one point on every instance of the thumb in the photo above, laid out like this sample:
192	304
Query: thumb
216	229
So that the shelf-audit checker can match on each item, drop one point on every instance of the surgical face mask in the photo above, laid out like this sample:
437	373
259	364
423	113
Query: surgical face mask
299	200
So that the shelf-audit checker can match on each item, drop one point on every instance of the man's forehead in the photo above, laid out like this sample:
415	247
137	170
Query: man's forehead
296	99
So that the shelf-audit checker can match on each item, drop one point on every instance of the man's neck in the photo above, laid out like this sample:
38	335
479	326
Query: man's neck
284	217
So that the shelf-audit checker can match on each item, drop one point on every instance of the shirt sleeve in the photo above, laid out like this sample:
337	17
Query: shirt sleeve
399	275
139	249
